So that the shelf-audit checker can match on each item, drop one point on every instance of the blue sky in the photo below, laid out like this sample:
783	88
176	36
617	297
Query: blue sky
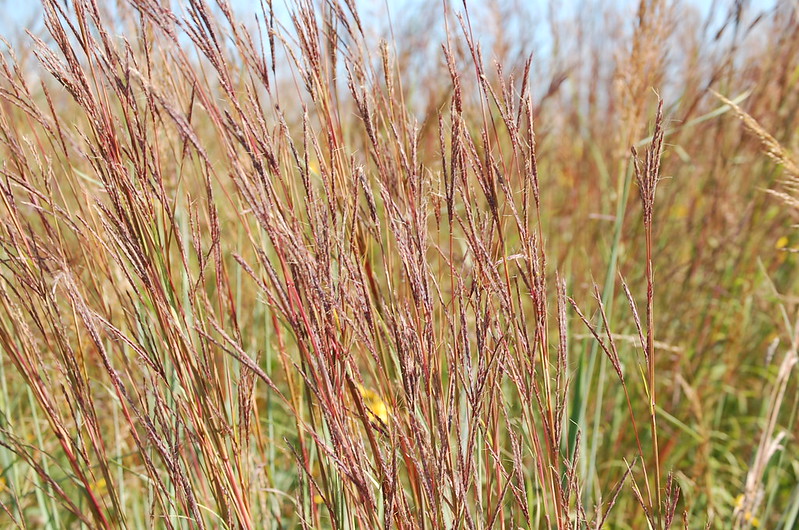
15	15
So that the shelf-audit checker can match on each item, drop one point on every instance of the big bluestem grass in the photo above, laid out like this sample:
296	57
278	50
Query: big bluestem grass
278	272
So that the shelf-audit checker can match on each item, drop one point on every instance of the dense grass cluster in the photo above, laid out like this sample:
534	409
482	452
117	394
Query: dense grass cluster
290	270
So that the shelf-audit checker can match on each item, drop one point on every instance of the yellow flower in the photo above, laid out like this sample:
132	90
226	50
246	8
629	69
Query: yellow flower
375	403
748	517
380	410
781	243
99	486
739	502
754	521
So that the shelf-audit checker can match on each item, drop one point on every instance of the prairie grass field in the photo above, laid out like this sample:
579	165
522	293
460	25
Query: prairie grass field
459	264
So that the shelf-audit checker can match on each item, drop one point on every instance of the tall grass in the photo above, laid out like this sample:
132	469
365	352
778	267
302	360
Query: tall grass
280	272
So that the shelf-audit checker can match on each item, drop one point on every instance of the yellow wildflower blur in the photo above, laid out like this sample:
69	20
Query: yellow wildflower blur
375	403
100	486
748	517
